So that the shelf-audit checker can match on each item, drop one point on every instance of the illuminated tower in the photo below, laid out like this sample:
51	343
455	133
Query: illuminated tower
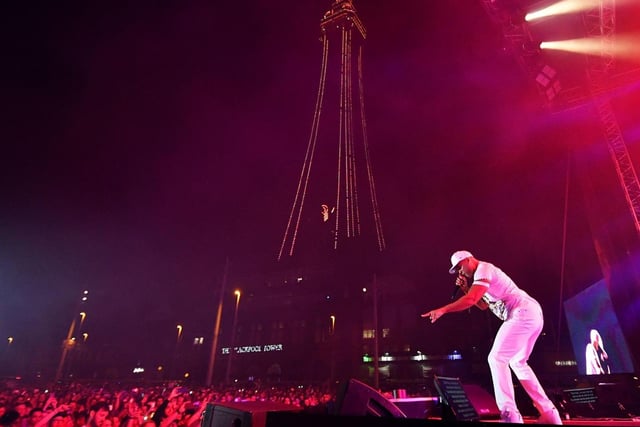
329	208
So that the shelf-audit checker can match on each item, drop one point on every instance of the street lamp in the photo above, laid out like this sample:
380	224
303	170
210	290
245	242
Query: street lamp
332	341
68	342
237	293
176	353
179	327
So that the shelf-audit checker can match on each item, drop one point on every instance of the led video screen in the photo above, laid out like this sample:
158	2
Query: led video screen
598	343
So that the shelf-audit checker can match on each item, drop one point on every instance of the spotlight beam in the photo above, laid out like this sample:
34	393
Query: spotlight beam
563	7
626	47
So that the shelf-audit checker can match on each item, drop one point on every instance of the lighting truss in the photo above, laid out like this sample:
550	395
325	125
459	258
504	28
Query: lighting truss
600	22
525	50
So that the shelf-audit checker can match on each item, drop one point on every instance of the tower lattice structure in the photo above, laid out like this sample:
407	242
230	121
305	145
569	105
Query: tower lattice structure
337	159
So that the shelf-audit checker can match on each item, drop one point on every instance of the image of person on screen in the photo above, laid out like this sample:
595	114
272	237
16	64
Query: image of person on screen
595	355
522	324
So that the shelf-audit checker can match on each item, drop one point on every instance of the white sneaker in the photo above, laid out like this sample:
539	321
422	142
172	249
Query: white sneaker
511	416
550	417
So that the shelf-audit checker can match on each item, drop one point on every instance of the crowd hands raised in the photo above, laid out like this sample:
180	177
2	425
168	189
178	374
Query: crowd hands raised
80	405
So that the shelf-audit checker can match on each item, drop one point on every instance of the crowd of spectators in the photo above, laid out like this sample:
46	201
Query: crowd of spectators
169	405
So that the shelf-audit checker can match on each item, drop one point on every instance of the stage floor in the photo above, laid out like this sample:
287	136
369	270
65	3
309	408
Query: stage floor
596	422
628	422
287	419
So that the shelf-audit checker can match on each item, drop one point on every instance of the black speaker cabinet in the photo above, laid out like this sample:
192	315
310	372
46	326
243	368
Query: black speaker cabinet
357	398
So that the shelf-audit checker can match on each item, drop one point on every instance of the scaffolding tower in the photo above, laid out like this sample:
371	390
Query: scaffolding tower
600	22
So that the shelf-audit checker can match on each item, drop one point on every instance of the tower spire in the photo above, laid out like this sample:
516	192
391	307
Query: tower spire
339	148
343	12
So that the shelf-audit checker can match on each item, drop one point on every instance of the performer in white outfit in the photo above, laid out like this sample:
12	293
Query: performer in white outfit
596	357
492	288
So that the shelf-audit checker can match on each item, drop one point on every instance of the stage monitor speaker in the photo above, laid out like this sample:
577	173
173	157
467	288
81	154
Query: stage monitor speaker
242	414
357	398
416	407
456	405
483	402
606	400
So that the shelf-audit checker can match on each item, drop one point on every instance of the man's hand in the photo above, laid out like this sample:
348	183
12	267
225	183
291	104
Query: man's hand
461	281
433	315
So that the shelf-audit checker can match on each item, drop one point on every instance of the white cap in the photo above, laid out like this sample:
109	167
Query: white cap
456	258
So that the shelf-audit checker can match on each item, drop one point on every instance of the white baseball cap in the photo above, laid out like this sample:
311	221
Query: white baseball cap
456	258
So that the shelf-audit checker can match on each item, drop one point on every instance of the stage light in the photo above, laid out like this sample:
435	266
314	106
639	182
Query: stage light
562	7
548	81
545	76
627	47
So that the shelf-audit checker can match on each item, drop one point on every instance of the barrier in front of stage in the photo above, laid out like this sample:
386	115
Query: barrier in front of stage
417	407
242	414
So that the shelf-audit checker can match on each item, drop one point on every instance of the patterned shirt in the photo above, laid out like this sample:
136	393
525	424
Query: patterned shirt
502	294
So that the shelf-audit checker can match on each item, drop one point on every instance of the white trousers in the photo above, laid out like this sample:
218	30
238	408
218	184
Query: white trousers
511	349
